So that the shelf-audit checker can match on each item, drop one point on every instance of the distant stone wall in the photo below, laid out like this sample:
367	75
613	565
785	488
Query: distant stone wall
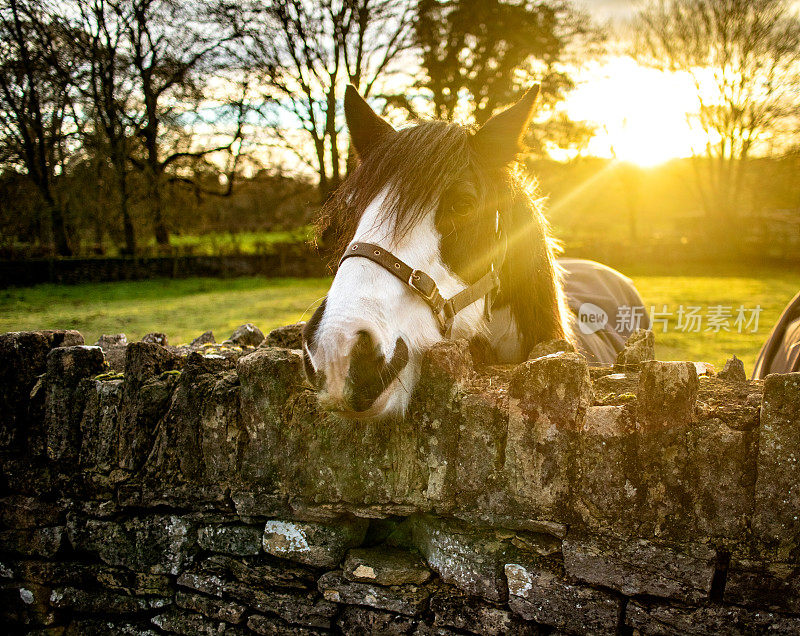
291	259
200	491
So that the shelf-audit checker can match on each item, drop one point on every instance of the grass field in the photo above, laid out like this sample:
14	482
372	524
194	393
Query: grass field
185	308
771	289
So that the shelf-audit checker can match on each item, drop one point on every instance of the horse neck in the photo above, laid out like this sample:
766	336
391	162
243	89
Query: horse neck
531	287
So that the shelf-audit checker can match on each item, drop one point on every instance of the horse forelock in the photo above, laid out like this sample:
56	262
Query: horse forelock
412	168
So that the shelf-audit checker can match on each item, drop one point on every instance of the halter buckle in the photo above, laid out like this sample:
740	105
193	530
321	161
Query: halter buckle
425	286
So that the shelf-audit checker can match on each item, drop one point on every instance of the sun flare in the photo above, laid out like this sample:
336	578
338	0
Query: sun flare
641	113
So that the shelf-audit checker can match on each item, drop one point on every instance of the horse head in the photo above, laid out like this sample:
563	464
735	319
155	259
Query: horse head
438	241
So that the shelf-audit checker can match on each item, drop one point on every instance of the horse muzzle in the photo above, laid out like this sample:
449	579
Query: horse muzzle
354	384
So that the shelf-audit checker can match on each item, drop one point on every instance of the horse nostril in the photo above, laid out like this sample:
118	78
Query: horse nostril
370	373
365	348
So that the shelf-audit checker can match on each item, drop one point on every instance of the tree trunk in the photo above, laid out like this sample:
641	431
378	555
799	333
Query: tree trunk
124	209
323	186
330	129
58	226
153	175
159	227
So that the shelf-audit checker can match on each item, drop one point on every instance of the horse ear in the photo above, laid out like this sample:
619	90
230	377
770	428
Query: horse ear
500	139
365	127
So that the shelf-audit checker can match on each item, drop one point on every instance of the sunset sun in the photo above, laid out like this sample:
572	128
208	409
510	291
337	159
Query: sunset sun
640	113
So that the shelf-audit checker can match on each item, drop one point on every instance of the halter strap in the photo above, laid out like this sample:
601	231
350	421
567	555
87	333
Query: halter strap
444	310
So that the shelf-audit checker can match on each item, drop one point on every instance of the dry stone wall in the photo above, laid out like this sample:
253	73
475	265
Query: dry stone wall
198	490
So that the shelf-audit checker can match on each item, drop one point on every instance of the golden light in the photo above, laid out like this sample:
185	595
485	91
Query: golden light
641	112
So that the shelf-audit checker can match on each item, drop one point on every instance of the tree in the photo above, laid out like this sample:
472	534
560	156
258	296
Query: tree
744	60
175	49
491	49
35	102
100	44
307	52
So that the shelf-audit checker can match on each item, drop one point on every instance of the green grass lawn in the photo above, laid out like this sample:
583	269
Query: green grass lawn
182	308
771	289
185	308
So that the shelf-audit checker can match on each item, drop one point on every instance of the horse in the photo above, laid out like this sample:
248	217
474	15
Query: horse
441	238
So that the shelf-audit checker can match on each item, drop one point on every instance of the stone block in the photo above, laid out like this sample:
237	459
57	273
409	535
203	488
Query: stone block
605	488
548	398
455	609
667	394
444	369
66	367
763	585
158	544
206	433
19	511
479	452
410	600
721	475
640	347
26	604
548	347
210	607
286	337
64	574
464	556
539	591
114	347
99	425
246	335
24	356
121	626
296	608
733	371
238	540
314	544
213	574
665	620
255	504
385	565
365	620
268	378
38	542
157	338
176	621
207	337
641	567
272	626
147	391
776	521
132	583
102	601
665	494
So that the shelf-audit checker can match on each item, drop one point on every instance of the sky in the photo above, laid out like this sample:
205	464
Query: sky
608	9
640	112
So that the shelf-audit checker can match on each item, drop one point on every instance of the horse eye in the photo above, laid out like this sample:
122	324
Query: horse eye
461	208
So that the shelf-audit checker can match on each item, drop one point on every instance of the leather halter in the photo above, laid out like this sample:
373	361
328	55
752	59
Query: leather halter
444	310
